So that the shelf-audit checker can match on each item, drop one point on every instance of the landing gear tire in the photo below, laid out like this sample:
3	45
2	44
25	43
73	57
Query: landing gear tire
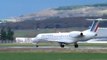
62	45
37	46
76	45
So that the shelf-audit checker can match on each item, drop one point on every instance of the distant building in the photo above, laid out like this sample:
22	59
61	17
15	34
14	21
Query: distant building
8	20
102	33
23	40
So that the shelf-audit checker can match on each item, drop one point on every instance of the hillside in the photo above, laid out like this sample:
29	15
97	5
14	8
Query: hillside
96	10
61	17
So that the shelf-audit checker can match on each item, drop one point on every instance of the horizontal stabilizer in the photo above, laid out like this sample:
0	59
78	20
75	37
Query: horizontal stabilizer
98	19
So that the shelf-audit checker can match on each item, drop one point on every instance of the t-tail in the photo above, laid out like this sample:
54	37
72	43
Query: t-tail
95	24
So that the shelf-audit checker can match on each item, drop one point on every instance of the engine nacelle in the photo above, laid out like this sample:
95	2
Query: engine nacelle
76	34
81	34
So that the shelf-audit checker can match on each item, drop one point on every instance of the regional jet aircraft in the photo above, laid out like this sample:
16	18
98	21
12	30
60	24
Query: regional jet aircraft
70	37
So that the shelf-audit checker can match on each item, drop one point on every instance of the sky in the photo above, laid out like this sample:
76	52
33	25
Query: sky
14	8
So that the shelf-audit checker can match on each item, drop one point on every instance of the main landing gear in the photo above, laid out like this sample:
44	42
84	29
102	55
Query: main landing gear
75	45
62	45
37	45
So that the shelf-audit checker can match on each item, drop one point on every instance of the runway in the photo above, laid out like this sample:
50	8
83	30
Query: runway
58	47
86	49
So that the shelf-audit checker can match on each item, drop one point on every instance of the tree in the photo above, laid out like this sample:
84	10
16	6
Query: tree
3	34
10	34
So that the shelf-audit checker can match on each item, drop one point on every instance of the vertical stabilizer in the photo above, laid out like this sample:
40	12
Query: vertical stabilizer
95	24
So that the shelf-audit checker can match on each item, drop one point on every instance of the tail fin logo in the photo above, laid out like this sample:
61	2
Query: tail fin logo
94	26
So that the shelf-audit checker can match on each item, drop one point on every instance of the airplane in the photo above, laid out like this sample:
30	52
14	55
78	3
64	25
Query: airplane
69	37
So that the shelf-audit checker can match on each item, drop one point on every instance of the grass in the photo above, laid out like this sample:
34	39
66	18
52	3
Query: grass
51	56
16	44
93	44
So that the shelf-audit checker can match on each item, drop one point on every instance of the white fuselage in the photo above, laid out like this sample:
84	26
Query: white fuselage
67	37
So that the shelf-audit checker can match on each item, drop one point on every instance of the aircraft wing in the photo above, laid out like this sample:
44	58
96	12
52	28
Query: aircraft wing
62	40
